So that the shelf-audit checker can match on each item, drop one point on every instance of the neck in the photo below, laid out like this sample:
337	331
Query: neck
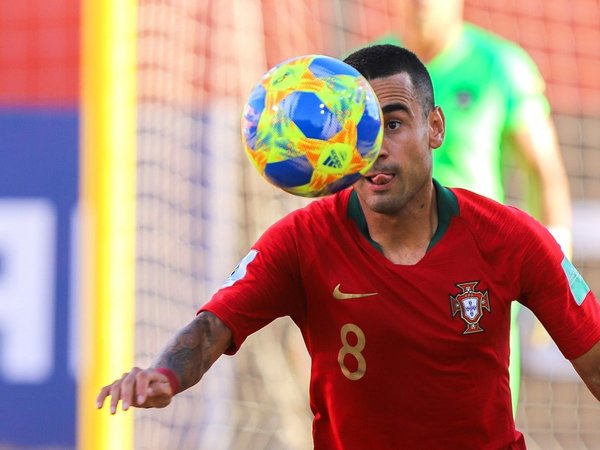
428	44
404	237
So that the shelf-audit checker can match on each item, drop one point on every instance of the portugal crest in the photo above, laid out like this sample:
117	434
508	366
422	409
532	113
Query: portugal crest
470	303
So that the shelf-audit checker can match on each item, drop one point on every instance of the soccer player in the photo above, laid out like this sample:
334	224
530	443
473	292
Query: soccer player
402	290
493	98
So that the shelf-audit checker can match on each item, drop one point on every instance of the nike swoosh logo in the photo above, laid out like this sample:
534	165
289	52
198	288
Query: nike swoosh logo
339	295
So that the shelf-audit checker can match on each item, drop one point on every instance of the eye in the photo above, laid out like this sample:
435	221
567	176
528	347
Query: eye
393	124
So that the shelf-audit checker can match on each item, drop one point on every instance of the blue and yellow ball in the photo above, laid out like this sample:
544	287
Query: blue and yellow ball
312	126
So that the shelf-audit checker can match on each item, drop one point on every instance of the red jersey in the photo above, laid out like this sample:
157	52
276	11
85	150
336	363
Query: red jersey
409	356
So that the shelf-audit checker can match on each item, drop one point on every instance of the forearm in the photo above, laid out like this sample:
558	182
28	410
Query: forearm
550	197
588	367
556	207
543	152
195	348
592	382
555	199
593	385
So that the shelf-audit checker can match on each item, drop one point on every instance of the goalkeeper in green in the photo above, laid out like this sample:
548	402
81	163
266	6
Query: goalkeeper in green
493	96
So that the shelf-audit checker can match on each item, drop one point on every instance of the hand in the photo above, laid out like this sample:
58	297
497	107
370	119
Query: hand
142	388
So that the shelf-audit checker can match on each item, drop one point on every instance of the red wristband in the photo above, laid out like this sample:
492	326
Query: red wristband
173	381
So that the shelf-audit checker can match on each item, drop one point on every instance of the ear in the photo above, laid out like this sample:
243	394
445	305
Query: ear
437	127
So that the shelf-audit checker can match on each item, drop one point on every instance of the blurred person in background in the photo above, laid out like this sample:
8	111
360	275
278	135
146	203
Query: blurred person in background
493	97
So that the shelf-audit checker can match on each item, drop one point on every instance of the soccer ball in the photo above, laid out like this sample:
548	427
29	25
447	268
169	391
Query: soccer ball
312	126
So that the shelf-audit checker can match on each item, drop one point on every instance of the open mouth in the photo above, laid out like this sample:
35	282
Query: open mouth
379	179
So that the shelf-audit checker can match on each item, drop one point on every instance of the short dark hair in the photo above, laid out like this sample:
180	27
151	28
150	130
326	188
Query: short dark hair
378	61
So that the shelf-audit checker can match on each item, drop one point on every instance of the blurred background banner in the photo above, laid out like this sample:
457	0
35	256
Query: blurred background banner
38	192
39	123
200	205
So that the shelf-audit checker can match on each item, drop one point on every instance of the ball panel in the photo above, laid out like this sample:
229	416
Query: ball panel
352	104
289	172
310	115
257	158
277	136
369	130
252	112
343	183
287	75
360	164
334	158
324	67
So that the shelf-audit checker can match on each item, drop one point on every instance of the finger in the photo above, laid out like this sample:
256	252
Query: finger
101	396
128	383
141	386
128	387
115	396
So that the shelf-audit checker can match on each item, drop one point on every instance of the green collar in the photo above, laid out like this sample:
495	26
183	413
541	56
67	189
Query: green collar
447	206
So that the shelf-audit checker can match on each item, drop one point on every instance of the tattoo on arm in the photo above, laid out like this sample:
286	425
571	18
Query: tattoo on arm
195	348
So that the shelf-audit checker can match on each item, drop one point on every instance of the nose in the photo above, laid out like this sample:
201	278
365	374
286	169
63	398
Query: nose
383	151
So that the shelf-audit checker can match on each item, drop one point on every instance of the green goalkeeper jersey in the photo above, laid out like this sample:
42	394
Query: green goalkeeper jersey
485	86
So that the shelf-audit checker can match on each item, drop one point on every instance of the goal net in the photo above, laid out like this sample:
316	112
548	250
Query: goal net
200	204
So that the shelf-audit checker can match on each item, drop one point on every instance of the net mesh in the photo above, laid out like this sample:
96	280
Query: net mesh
201	204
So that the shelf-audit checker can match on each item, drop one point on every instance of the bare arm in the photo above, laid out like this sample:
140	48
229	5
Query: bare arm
195	348
588	368
537	143
189	355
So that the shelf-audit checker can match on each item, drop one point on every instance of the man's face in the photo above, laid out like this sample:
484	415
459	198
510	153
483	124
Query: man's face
404	165
430	16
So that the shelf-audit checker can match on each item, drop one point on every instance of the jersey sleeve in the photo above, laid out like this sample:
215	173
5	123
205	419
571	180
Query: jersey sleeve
523	83
264	286
557	294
